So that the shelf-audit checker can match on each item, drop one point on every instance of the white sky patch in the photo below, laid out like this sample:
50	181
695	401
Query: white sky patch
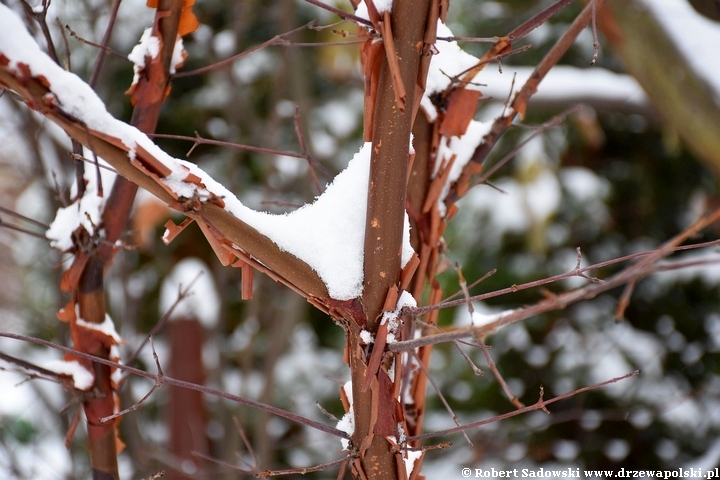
327	235
82	377
203	301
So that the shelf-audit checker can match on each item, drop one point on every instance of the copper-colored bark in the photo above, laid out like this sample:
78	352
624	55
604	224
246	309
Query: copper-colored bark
375	412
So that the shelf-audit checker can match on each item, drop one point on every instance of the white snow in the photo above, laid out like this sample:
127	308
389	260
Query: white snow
85	212
561	83
380	5
347	422
203	301
583	184
178	56
449	61
463	149
565	82
409	457
693	35
366	337
107	327
392	318
148	46
82	377
327	235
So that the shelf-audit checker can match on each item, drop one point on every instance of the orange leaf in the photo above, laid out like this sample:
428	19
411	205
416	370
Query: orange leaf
188	21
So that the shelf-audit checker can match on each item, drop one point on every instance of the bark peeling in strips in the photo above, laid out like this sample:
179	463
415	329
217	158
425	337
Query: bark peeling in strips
376	415
89	292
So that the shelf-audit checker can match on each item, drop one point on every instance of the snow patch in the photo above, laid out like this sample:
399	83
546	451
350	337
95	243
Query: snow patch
107	327
347	422
327	235
393	318
202	302
82	377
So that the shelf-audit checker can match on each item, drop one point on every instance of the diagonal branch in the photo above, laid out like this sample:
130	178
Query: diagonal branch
539	405
165	380
633	273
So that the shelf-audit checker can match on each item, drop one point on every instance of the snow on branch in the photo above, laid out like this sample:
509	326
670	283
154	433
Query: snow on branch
325	235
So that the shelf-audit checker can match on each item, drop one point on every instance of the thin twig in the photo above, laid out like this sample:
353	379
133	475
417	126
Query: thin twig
286	43
455	79
596	44
78	157
302	470
539	405
506	104
136	405
326	413
303	148
246	441
41	18
273	41
10	226
220	462
340	13
449	409
22	217
106	49
206	141
182	294
537	20
474	284
104	43
537	130
491	364
470	39
183	384
634	272
520	100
